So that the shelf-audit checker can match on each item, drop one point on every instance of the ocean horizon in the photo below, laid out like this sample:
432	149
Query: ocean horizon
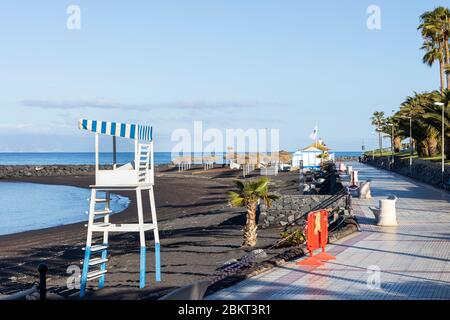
88	158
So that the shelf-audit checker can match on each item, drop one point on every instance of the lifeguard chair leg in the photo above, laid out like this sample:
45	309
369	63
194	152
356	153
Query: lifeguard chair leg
83	282
87	253
156	235
101	281
142	239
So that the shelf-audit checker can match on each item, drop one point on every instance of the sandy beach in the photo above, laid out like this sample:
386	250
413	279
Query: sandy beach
199	232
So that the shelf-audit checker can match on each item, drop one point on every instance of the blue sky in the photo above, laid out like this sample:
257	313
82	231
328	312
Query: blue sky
231	63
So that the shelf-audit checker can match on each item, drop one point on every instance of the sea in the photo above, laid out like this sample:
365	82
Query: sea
79	158
30	206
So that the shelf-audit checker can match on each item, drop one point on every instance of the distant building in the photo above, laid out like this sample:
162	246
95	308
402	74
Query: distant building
311	155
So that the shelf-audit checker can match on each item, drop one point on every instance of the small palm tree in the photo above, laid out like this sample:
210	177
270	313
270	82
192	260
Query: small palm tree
379	121
248	195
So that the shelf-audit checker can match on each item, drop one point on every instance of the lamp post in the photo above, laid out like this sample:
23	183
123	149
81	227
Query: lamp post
392	142
440	104
410	142
373	150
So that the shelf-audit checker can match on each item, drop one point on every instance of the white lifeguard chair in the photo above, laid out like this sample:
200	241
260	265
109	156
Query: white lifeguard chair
137	176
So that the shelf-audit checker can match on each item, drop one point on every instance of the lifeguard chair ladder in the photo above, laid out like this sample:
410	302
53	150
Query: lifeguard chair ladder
138	177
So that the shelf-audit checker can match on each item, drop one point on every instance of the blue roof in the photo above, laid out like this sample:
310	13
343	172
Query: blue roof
117	129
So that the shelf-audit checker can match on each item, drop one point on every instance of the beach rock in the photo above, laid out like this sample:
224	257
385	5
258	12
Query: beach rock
228	263
254	255
8	172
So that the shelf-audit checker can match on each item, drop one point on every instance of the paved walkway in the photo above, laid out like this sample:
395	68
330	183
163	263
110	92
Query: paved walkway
413	259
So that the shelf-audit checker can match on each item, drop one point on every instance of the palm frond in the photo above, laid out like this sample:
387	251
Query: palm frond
236	200
238	184
249	192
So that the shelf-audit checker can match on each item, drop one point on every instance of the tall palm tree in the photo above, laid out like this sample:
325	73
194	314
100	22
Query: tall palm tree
379	121
433	53
435	27
248	195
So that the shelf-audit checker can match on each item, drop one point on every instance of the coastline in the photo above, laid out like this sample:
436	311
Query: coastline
198	231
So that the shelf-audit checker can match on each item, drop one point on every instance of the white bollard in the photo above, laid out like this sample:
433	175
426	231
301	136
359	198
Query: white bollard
387	215
364	190
349	170
354	178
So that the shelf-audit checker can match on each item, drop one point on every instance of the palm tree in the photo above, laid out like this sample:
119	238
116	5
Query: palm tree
248	195
425	127
433	115
434	53
395	133
379	121
435	27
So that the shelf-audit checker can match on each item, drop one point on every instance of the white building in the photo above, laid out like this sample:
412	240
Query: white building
311	156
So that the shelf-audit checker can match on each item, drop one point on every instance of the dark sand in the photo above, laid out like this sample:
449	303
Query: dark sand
198	231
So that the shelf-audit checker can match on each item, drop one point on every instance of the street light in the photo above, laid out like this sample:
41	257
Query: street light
392	142
373	150
410	142
440	104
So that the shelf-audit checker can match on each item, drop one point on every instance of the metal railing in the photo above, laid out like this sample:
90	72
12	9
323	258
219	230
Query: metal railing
327	203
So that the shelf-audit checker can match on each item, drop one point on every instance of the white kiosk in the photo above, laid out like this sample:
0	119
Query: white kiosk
137	176
310	156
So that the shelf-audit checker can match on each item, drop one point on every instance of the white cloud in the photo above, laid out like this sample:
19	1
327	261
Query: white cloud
105	104
33	128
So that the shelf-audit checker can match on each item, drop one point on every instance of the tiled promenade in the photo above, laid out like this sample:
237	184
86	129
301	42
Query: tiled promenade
413	258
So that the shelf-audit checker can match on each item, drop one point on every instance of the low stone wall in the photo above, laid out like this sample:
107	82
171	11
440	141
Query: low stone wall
346	158
17	171
289	208
422	170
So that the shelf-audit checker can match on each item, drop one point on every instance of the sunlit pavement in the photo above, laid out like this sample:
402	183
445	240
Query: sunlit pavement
413	259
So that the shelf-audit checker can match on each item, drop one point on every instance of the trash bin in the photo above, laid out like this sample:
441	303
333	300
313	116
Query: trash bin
387	215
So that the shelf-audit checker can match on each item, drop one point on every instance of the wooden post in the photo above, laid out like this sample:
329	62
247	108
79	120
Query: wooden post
152	167
136	155
97	160
114	153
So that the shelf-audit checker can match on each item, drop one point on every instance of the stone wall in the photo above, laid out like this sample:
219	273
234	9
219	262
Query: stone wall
346	158
289	208
422	170
16	171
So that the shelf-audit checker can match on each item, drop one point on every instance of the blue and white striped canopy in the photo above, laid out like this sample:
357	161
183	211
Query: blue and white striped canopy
124	130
